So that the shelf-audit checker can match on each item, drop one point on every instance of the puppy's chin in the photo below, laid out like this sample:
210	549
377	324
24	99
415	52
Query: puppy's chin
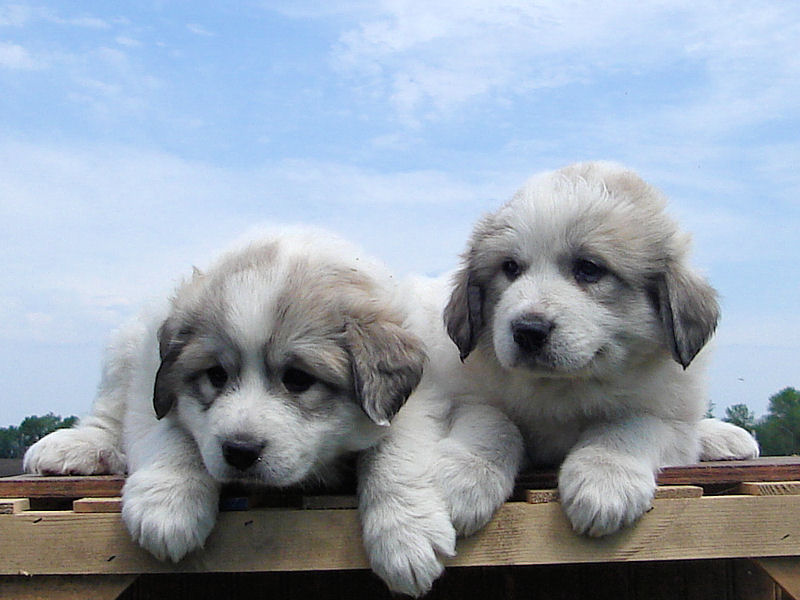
542	368
261	473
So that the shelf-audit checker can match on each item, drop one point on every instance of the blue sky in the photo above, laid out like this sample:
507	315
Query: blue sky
138	138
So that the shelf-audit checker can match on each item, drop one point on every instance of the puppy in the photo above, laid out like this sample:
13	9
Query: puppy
579	326
270	367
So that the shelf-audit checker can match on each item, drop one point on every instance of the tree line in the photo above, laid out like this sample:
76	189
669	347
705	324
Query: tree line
15	440
777	432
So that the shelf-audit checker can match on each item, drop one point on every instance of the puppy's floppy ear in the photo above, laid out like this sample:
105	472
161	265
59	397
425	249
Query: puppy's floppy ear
170	346
463	315
689	311
386	363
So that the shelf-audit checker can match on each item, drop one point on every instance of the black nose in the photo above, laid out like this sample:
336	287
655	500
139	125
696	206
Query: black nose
531	332
241	454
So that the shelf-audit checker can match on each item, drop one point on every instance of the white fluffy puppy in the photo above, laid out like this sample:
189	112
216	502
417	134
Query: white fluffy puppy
269	367
576	316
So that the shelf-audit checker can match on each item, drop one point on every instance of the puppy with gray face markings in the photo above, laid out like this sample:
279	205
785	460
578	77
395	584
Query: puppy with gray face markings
579	326
270	367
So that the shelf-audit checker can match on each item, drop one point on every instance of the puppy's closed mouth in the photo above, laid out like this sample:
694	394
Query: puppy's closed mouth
543	365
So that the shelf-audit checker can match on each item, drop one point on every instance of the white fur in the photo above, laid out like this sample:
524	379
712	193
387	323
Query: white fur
604	398
725	441
249	310
448	462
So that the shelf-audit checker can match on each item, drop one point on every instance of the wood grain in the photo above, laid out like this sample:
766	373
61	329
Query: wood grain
300	540
38	486
662	492
780	468
12	506
97	505
775	488
723	472
65	587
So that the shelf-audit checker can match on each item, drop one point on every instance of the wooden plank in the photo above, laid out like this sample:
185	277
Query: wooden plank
776	488
541	496
662	492
692	528
298	540
665	492
12	506
37	486
783	571
772	468
785	468
65	587
97	505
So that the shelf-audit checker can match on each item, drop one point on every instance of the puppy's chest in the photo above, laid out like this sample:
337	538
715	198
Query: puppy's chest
557	403
553	417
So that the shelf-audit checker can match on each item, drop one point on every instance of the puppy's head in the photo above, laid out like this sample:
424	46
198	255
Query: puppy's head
283	357
580	274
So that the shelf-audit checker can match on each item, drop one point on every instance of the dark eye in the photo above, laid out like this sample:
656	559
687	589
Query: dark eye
586	271
511	268
217	376
297	381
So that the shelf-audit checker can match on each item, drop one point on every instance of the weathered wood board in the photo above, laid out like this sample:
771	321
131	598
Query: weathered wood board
63	542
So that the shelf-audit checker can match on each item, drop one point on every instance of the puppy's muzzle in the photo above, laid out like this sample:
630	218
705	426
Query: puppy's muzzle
241	455
531	332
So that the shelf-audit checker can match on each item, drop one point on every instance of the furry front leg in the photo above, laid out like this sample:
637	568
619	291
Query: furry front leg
170	501
602	490
607	480
405	521
91	448
476	465
94	445
725	441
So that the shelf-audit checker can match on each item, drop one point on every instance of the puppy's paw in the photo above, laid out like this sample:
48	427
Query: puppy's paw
725	441
169	515
602	492
405	545
473	487
78	451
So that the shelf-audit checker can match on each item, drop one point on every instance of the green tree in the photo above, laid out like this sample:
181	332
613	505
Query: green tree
710	410
9	443
15	440
740	415
778	432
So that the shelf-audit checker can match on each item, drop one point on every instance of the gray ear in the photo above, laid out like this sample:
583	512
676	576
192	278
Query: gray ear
165	389
387	363
689	311
463	315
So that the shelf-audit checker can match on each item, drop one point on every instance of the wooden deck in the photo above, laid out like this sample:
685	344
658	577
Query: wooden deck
713	523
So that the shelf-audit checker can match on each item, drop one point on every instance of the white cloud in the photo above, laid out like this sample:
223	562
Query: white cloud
313	9
128	42
14	56
93	232
20	15
199	30
87	22
111	80
14	15
428	59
